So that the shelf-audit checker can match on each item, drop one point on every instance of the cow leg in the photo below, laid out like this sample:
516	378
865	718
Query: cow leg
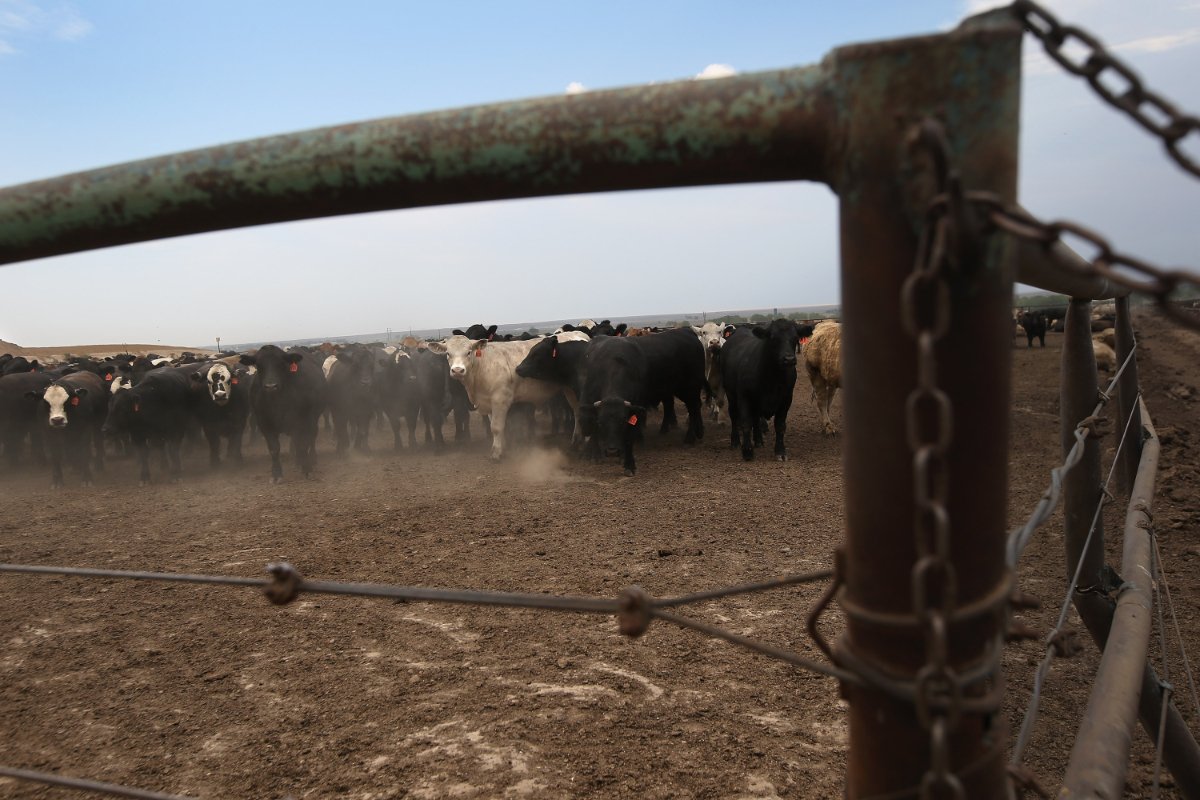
81	454
760	423
214	446
272	438
746	421
56	458
305	441
96	440
143	451
627	436
695	428
174	461
669	420
340	424
780	429
234	450
501	403
735	436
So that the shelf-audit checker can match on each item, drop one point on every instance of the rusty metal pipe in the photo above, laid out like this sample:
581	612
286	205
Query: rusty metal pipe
969	80
1100	755
1127	396
767	126
1060	269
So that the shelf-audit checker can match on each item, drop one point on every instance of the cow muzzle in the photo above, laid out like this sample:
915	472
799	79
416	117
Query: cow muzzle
271	387
458	372
58	422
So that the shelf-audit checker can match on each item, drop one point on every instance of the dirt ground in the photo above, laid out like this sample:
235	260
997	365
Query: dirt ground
213	692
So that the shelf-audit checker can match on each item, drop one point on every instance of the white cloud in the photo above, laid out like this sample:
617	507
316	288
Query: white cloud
716	71
23	21
575	87
1159	44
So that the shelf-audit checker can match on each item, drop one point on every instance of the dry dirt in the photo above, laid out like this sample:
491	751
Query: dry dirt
60	354
211	691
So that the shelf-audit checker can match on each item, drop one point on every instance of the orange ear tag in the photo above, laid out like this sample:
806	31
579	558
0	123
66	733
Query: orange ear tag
137	407
633	419
74	401
108	376
479	353
804	340
295	367
233	381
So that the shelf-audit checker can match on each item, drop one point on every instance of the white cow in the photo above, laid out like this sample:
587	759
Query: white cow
712	336
488	371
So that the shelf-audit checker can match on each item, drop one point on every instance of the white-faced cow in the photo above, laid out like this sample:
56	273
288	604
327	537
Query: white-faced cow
488	371
74	407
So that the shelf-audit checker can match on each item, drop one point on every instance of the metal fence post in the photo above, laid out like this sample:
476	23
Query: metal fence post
969	81
1127	397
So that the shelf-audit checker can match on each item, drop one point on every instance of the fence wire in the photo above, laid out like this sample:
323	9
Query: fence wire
1056	643
84	785
1019	538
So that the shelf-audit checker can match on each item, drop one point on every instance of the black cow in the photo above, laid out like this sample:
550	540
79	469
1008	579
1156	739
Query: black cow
19	364
351	395
625	376
287	397
398	394
564	363
477	331
20	397
1034	323
219	399
74	407
154	414
758	370
433	379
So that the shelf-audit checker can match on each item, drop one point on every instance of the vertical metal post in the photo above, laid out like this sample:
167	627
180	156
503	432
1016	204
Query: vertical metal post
1081	486
969	81
1127	398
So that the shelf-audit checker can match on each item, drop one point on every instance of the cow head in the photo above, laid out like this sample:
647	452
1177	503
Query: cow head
360	362
782	339
219	381
710	335
60	399
460	353
541	361
275	368
617	419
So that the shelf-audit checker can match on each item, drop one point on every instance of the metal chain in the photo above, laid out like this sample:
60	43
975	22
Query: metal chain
925	316
1126	91
1124	270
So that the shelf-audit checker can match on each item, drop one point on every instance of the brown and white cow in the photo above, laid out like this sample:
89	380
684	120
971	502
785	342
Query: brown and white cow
488	371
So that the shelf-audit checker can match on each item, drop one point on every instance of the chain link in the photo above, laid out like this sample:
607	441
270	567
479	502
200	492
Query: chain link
925	315
1152	111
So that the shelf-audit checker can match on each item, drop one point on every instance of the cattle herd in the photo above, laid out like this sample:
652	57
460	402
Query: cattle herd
596	380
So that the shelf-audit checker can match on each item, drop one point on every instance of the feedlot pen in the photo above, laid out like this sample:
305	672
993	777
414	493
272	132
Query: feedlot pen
918	139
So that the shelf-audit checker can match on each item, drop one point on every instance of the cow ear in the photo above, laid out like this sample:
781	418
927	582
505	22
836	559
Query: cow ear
457	332
491	331
639	410
247	360
621	329
80	392
759	331
479	344
439	347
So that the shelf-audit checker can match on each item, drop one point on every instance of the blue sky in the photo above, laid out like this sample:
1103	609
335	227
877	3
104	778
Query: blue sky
89	84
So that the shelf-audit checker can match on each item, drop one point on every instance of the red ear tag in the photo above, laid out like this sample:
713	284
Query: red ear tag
233	381
295	367
479	353
108	376
137	407
74	401
804	340
727	334
633	419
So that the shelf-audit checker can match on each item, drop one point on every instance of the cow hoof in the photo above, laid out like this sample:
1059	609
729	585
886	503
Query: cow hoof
747	455
629	473
781	457
86	484
276	479
143	484
56	485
